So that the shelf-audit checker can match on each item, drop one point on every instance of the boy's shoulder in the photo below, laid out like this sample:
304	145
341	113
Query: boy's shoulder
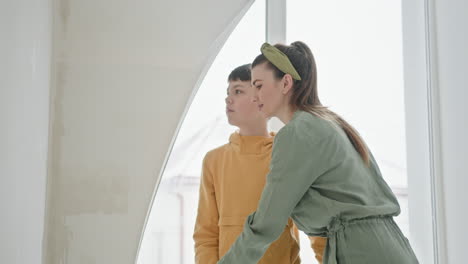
215	154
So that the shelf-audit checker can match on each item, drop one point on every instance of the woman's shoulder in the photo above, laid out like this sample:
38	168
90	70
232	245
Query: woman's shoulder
307	126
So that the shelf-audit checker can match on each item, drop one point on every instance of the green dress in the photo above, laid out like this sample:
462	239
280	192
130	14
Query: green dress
319	179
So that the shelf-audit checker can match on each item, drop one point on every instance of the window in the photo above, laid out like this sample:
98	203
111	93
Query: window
358	50
168	239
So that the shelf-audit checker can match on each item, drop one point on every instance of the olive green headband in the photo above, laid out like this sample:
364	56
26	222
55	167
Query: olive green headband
279	59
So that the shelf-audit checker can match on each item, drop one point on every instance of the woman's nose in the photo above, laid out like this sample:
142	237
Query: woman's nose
255	98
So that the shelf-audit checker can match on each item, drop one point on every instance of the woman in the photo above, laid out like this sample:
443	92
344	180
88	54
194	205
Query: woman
237	167
321	173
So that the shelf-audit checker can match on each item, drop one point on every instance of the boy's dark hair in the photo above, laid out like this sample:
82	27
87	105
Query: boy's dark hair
242	73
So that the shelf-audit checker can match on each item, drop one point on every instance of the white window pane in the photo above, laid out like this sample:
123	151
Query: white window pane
358	50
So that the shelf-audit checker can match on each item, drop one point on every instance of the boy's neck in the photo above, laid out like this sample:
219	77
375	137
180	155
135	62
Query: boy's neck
261	131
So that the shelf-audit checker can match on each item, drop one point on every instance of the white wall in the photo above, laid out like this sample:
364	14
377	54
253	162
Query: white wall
452	56
124	72
25	30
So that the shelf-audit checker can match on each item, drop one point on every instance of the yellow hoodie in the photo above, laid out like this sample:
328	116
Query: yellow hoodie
232	181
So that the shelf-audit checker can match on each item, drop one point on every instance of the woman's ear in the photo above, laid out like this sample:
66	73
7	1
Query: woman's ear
287	83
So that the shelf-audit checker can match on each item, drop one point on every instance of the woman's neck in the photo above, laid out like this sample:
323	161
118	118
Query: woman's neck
285	114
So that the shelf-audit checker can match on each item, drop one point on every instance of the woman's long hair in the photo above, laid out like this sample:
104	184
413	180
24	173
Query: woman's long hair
304	95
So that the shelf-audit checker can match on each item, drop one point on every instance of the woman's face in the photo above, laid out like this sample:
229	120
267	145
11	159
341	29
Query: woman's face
270	94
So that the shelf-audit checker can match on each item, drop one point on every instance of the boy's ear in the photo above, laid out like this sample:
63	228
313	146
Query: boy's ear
287	83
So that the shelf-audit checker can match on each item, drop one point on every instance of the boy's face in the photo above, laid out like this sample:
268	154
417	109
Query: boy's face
241	110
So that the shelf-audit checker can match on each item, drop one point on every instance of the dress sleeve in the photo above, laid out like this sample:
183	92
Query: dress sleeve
297	161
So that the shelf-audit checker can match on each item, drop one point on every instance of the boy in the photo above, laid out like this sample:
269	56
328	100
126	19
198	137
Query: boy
233	178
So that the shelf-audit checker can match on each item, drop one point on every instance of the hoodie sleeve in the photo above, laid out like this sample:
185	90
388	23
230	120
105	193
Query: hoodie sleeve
318	244
206	233
297	161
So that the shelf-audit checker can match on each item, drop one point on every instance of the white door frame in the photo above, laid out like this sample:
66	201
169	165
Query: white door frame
427	216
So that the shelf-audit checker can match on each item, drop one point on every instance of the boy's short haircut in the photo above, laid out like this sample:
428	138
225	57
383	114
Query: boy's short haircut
241	73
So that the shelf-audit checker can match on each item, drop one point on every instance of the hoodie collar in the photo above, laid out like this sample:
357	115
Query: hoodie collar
251	144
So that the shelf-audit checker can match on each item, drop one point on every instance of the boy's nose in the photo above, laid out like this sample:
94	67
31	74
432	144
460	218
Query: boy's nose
228	100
